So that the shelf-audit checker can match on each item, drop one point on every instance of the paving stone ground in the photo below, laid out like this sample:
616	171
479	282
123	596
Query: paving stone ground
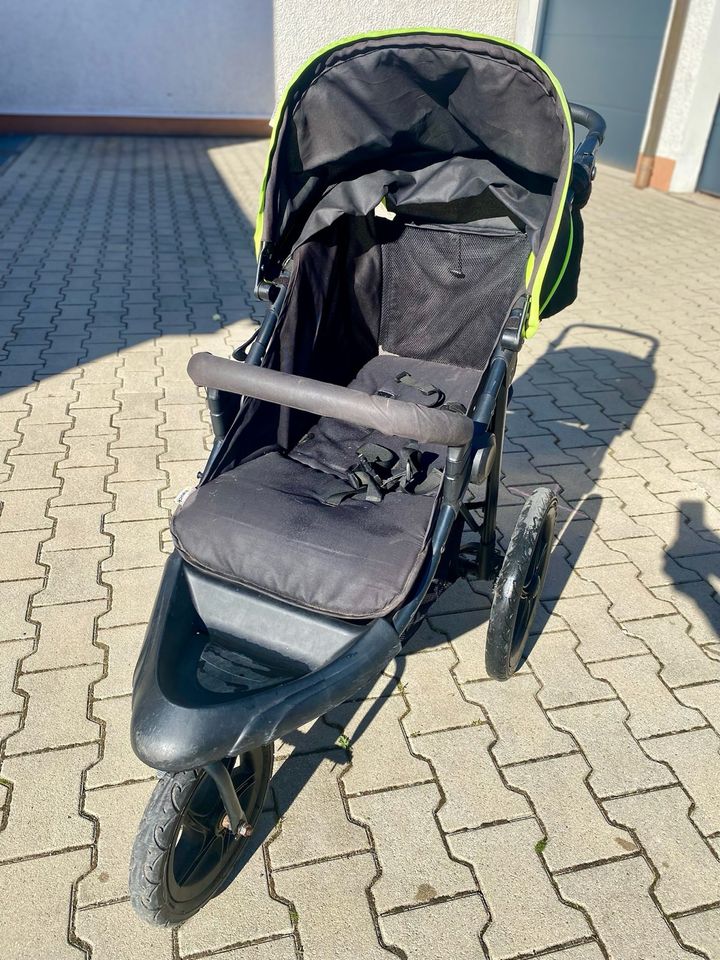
572	813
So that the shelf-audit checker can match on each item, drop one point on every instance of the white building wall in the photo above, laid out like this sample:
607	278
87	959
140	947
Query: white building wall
694	95
302	26
137	58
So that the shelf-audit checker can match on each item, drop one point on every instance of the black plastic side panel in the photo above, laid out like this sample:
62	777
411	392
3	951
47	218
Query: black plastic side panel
250	622
178	724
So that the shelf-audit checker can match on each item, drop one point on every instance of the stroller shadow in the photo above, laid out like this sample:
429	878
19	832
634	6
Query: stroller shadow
183	268
696	547
569	410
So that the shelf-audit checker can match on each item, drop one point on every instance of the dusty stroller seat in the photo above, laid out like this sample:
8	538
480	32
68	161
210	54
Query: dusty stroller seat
292	525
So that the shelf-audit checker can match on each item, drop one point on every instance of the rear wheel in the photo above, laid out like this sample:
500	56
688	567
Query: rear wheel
519	584
184	853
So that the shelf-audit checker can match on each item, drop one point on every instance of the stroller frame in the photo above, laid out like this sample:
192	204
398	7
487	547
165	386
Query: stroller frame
320	660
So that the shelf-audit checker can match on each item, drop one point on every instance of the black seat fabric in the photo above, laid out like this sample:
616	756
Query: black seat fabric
268	524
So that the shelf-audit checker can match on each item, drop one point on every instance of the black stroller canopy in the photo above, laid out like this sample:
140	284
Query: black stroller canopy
443	127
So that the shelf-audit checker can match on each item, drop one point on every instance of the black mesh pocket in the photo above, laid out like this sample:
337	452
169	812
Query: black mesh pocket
446	294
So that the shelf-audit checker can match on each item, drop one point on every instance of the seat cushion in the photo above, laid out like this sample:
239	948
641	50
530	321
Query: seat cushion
267	523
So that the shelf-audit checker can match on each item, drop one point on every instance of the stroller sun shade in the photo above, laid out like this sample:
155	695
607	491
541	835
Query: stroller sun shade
443	128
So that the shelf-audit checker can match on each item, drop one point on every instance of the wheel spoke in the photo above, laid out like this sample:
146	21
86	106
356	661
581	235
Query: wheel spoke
202	855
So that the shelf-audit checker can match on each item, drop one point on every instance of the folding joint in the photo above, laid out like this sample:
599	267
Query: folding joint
512	335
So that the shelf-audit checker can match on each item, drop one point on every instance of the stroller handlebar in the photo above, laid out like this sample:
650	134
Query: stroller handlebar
584	158
391	417
590	119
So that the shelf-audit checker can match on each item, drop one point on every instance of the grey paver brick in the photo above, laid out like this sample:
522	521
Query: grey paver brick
56	721
81	486
77	527
657	475
689	873
282	948
653	708
683	661
133	594
438	930
18	554
587	951
698	604
701	931
41	925
324	895
114	933
524	732
695	758
86	452
367	724
610	518
314	822
616	895
66	636
564	677
118	764
435	700
577	831
415	865
123	645
14	602
601	637
504	856
118	809
467	632
584	547
656	567
72	576
44	810
475	794
629	599
10	653
136	463
25	510
617	761
705	698
39	438
136	543
139	500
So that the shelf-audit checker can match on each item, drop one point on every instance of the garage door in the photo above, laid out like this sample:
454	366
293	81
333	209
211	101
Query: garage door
710	175
606	55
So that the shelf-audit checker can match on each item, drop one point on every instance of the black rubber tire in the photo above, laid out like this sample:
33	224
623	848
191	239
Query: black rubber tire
519	584
151	862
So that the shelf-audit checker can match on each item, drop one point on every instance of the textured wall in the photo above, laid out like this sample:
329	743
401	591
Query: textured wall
687	72
188	58
301	27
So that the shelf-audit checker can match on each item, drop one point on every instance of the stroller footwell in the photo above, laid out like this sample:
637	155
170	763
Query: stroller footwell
224	670
293	526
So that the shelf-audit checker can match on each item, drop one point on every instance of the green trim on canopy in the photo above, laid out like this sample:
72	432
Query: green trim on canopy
536	269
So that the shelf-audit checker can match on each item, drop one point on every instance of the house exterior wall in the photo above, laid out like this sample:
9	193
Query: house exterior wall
693	97
302	27
137	58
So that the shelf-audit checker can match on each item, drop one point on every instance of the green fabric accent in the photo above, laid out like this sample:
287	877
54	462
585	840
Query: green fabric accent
563	268
539	268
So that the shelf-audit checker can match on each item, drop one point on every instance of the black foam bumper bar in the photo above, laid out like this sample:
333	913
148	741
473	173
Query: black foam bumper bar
396	418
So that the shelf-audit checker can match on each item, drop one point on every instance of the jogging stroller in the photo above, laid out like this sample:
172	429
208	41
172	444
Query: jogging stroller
419	215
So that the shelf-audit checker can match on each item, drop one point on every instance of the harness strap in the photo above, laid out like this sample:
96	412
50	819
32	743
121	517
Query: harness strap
380	470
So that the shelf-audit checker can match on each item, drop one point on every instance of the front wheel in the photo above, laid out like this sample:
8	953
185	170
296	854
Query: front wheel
183	852
519	584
